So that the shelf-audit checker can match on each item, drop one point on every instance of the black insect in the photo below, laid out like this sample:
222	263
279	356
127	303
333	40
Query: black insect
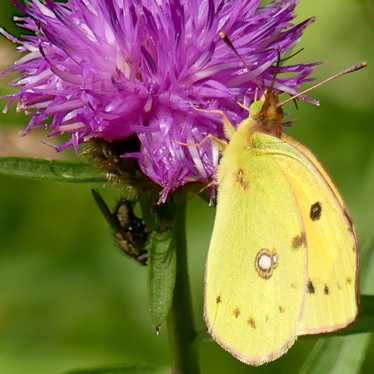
129	230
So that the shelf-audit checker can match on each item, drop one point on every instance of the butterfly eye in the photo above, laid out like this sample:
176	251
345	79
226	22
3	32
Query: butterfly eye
256	107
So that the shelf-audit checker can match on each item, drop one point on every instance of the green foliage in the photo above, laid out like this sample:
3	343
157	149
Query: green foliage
161	275
50	170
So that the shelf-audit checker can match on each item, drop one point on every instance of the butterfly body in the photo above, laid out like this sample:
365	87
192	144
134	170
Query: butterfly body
283	258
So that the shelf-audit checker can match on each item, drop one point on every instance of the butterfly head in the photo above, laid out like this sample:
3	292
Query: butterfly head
267	116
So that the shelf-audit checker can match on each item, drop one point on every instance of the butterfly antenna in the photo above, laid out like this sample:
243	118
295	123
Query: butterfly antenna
293	55
346	71
277	66
228	42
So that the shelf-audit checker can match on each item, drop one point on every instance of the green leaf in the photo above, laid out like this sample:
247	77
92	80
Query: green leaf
50	170
340	355
162	258
161	274
139	369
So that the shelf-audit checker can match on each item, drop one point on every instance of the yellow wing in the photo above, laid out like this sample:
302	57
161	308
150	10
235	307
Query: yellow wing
332	287
333	261
283	257
256	271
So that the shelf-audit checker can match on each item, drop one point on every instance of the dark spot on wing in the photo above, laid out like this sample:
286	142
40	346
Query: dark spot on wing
326	290
251	322
298	241
315	211
218	299
310	287
281	309
236	312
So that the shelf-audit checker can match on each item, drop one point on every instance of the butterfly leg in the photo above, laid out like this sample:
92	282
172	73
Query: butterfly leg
221	143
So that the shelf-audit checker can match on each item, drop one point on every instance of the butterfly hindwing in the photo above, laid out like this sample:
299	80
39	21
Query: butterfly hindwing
251	312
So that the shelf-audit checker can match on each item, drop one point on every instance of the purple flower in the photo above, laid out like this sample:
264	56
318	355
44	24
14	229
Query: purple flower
114	68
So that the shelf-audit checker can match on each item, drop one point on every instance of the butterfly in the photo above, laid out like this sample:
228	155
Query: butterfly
283	256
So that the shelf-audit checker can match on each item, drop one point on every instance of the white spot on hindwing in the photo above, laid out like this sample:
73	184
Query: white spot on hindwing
265	263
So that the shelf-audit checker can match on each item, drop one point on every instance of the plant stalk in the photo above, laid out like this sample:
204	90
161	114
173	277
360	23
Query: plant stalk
180	320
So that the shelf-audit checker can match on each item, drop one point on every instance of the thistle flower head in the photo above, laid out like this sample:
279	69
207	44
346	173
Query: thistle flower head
111	69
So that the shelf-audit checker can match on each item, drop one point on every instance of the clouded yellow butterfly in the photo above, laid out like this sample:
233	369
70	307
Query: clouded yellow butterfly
283	257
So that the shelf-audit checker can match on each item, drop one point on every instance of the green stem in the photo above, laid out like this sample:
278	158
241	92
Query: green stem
180	321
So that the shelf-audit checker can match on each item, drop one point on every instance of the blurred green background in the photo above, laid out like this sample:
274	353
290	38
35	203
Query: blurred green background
69	299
